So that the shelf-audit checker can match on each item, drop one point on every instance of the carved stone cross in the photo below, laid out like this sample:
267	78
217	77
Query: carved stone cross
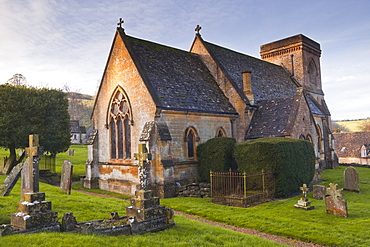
142	156
120	22
334	192
30	173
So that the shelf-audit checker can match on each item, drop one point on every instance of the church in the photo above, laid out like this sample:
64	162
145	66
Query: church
172	100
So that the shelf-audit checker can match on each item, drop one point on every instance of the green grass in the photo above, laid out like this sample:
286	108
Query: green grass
78	160
86	208
352	125
281	218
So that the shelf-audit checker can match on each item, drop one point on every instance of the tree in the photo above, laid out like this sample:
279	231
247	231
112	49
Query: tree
365	125
18	80
25	111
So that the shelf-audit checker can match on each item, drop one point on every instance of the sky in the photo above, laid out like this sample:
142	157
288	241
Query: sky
58	43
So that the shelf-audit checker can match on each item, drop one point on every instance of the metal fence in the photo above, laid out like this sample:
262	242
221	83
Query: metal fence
242	189
47	163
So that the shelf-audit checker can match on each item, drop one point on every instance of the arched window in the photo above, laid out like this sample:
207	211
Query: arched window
220	132
309	138
191	139
312	72
119	123
301	137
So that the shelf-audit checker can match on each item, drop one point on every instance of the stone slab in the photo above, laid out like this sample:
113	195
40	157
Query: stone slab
66	177
319	192
24	221
11	180
351	179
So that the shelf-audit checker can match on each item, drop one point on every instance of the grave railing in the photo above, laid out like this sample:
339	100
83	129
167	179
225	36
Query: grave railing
242	189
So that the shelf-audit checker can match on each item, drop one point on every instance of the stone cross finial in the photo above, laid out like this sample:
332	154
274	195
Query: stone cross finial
197	29
120	22
31	169
304	190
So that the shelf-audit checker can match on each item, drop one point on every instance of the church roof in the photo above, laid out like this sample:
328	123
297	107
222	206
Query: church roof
269	81
349	144
272	118
177	79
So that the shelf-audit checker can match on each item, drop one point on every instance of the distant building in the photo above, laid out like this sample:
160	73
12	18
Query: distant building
78	133
172	100
353	148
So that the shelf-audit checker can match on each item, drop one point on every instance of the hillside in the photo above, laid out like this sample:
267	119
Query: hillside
356	125
80	107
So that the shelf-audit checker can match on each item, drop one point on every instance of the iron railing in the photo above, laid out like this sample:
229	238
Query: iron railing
241	189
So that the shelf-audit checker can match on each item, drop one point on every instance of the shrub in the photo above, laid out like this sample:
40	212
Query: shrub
293	161
215	155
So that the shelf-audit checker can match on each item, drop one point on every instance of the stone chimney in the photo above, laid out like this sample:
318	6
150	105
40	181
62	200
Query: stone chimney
247	86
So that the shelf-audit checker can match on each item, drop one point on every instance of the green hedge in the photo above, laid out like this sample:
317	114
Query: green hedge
215	155
292	160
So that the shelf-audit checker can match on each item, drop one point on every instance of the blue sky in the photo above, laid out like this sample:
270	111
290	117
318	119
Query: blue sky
66	42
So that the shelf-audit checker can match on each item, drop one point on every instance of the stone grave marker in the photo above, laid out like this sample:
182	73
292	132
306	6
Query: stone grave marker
334	203
304	203
11	180
71	152
319	192
33	210
351	179
66	177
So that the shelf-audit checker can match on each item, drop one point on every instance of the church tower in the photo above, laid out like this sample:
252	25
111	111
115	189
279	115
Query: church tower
301	57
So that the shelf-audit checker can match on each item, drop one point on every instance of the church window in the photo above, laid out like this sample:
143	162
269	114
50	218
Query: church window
119	124
191	139
220	132
301	137
312	72
309	138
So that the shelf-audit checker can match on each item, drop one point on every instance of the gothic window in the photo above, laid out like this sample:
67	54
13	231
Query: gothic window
191	139
312	72
220	132
301	137
119	124
309	138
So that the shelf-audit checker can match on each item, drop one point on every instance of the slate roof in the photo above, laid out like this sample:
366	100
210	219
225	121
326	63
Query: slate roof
271	119
269	81
177	79
349	144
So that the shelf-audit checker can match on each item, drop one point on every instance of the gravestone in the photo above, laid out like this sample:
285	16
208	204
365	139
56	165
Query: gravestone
11	180
66	177
319	192
33	210
351	179
304	203
334	203
71	152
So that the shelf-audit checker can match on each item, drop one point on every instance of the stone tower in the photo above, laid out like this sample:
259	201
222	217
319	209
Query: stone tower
301	57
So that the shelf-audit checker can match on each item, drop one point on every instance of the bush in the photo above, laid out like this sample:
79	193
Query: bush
215	155
293	161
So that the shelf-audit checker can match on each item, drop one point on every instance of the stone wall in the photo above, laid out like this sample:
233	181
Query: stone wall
201	190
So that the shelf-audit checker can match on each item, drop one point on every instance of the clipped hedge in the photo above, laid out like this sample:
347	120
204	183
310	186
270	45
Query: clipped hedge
292	160
215	155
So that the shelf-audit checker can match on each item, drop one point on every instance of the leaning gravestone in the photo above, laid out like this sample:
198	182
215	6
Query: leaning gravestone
319	192
66	177
351	179
334	203
11	180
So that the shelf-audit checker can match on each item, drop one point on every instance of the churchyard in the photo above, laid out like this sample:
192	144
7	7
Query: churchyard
278	217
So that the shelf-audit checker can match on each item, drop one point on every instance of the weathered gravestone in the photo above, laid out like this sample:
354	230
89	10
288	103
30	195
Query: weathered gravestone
334	203
319	192
71	152
351	179
11	180
66	177
33	210
304	203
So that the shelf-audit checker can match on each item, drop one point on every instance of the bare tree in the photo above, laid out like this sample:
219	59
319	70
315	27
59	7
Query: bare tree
17	80
365	125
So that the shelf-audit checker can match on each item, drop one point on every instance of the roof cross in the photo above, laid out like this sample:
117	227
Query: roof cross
197	29
120	22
